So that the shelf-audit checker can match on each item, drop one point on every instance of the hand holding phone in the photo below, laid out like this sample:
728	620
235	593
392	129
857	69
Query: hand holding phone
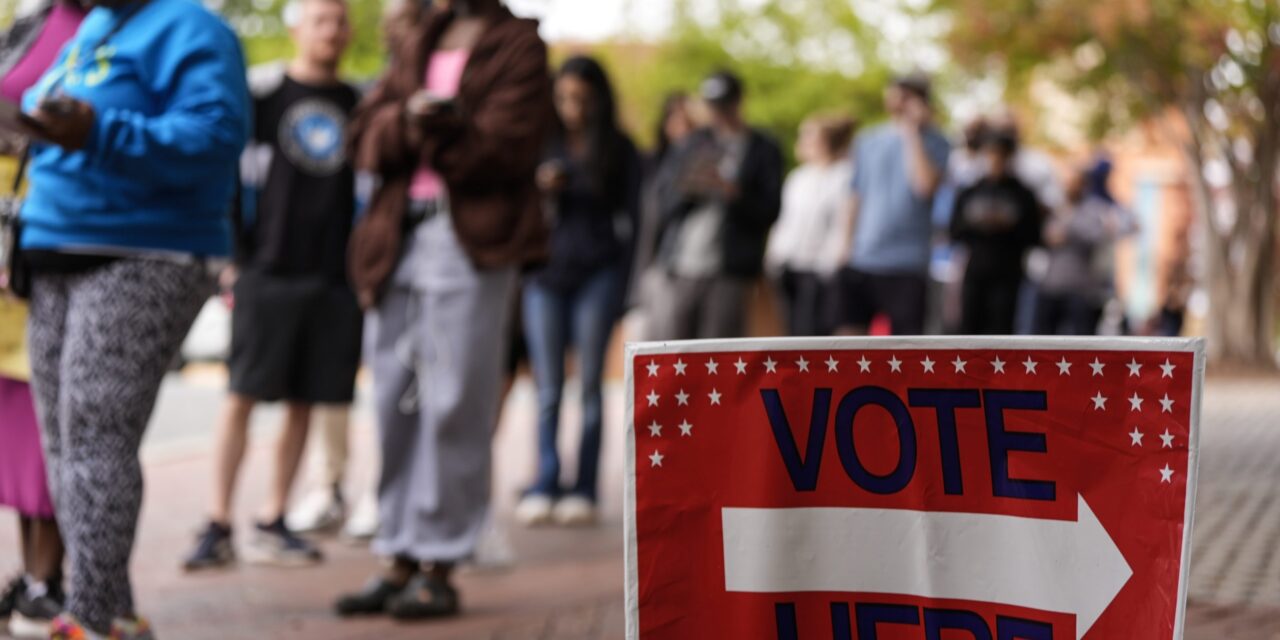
62	120
425	104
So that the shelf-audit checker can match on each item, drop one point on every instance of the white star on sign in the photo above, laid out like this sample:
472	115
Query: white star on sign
1099	401
895	364
1135	369
927	364
1166	474
653	399
1137	437
864	364
713	367
803	364
682	398
680	367
653	369
1166	440
655	460
770	365
741	367
1166	404
655	429
686	429
833	365
1097	366
1166	369
1030	365
959	364
715	397
1135	403
1064	368
998	365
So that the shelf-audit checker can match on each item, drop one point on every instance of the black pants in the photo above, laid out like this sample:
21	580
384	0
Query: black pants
807	303
989	303
1066	314
901	297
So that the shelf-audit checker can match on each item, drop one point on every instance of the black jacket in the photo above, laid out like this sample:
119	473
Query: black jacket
748	217
594	218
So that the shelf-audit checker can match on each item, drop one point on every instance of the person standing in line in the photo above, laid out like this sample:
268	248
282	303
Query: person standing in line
296	328
455	131
31	600
718	196
140	123
323	509
1079	280
898	167
998	220
806	248
675	123
591	177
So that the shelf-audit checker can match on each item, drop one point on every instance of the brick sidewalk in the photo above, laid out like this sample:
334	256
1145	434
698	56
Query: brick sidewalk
568	584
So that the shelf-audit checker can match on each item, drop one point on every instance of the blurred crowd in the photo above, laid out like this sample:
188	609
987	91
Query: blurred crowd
464	214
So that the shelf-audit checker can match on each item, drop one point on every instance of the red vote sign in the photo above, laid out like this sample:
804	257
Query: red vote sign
910	489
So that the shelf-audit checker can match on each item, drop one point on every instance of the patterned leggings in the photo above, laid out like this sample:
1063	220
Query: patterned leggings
101	342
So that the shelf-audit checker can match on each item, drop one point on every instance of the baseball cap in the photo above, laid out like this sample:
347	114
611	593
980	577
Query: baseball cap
722	88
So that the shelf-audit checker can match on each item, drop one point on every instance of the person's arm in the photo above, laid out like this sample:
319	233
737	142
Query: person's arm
960	229
501	140
378	141
923	166
1031	220
632	179
925	176
756	200
205	121
852	204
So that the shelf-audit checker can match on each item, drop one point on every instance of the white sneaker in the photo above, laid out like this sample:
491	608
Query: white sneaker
493	551
534	510
363	523
321	511
575	511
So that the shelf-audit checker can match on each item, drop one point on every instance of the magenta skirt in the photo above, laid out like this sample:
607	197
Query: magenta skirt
23	484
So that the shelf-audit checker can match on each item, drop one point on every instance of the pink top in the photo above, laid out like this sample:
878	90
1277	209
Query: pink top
444	75
56	31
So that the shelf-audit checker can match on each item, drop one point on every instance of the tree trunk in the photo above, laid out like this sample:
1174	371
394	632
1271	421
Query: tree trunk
1240	265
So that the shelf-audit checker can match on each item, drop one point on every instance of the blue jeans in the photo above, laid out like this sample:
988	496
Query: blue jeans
553	320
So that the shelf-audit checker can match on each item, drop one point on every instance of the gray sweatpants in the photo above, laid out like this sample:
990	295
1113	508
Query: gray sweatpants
684	308
101	342
436	345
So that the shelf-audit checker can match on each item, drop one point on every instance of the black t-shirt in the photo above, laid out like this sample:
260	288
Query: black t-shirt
305	188
999	219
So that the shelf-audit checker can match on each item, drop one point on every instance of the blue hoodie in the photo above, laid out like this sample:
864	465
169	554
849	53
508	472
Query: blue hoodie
158	172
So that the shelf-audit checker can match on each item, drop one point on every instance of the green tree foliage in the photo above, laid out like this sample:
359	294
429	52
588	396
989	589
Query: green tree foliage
1212	68
796	58
260	24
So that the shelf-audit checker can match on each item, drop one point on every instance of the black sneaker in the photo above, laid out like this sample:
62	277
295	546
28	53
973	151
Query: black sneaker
9	597
374	598
36	607
213	549
274	544
425	598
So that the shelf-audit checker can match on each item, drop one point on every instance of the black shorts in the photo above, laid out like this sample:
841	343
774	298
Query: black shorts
295	339
902	298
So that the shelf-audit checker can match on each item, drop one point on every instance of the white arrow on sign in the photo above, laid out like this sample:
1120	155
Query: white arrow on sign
1047	565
